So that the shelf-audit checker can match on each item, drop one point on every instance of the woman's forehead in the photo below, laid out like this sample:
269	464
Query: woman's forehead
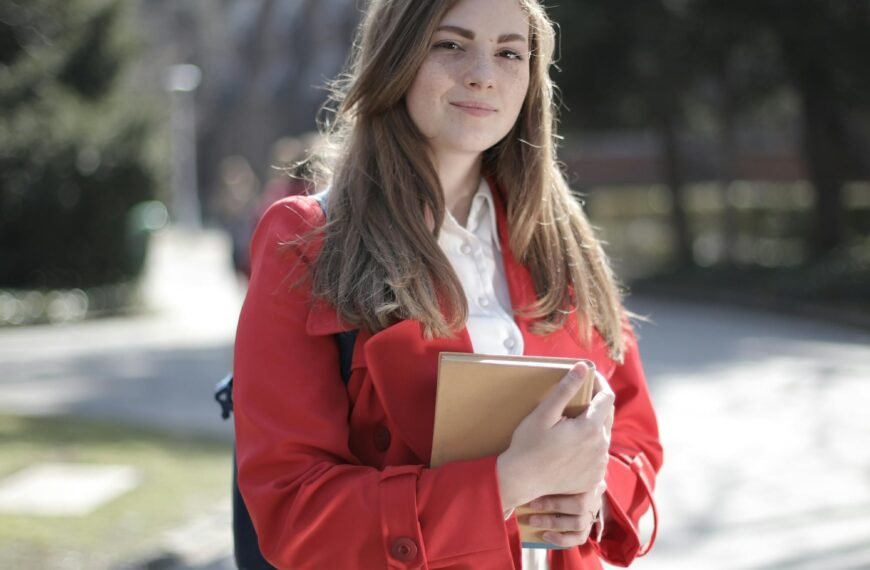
496	16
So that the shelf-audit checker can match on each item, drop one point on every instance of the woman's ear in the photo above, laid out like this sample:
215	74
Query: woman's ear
429	218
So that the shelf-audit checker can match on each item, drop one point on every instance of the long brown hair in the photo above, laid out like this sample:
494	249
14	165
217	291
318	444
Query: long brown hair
380	261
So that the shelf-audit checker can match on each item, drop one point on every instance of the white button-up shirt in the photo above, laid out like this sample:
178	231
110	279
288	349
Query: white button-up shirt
475	253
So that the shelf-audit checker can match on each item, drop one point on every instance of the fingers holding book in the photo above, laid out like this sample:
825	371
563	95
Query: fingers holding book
551	455
568	520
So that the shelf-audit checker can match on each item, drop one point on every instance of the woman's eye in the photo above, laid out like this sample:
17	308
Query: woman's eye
510	54
448	44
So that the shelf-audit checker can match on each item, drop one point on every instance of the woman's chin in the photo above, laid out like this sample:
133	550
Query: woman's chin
469	146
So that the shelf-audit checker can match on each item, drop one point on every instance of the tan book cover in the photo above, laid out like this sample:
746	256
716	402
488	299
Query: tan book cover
482	398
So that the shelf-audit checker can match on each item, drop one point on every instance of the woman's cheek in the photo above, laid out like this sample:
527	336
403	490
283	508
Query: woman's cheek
518	97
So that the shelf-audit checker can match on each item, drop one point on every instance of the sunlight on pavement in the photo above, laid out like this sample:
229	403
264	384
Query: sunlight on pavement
766	455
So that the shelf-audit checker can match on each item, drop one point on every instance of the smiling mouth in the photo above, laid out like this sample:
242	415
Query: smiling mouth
476	109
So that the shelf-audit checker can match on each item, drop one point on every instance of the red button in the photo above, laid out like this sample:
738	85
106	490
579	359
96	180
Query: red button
404	549
382	438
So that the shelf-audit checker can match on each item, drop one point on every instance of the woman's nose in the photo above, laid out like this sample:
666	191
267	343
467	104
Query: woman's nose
480	73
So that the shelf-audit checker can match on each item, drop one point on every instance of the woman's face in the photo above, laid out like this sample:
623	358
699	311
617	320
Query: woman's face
469	91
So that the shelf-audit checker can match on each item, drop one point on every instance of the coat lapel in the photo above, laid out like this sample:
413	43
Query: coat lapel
519	278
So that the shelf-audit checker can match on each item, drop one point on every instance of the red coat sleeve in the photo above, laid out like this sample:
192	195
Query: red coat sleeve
313	503
635	458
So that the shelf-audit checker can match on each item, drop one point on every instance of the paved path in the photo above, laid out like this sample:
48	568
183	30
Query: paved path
158	368
764	418
767	438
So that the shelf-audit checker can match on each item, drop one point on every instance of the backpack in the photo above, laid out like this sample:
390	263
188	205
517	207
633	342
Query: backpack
245	545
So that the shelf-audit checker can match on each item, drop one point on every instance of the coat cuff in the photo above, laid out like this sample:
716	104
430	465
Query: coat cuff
415	502
400	533
466	492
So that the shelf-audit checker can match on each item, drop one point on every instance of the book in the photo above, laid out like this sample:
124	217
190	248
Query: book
481	399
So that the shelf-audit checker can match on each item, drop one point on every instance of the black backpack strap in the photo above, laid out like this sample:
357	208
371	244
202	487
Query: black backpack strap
346	342
223	393
246	548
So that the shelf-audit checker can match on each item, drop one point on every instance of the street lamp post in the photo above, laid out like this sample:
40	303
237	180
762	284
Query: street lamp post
181	81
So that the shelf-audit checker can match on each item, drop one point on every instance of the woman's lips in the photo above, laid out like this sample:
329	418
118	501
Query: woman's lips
474	109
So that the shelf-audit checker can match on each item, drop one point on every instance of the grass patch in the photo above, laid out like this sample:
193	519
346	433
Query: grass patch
181	477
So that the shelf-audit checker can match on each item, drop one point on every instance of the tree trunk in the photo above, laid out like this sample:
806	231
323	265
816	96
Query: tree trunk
824	150
670	149
728	151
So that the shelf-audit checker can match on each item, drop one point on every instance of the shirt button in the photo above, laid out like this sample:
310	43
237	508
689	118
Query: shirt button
404	549
484	302
382	438
509	343
466	248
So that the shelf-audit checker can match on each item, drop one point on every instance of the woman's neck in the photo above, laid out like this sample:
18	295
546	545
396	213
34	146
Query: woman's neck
459	175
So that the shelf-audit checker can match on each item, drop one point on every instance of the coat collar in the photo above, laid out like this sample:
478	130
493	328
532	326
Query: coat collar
481	213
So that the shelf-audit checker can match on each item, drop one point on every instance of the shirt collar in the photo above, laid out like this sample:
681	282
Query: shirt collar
482	212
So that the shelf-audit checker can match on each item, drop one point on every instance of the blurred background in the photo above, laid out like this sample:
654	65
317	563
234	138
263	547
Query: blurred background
722	148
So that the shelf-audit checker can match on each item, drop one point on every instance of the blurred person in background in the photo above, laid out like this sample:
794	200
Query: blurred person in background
290	177
448	226
239	188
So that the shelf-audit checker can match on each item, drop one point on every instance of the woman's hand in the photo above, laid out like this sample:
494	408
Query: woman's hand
572	516
550	454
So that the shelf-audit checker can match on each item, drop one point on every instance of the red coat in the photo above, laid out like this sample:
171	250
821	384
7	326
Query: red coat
338	478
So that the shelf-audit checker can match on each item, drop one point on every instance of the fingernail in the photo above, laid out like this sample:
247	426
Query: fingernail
579	370
535	521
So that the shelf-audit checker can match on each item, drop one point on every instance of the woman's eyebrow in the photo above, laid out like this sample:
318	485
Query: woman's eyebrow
468	34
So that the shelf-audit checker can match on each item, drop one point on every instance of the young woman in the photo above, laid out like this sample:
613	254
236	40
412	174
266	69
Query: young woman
448	227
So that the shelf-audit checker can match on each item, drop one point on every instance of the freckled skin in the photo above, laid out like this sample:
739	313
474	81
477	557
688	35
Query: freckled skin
480	70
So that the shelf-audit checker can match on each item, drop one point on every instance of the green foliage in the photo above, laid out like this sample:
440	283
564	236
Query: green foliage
72	161
622	61
712	66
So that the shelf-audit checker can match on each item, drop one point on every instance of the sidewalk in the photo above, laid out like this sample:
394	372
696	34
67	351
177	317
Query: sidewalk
765	429
157	368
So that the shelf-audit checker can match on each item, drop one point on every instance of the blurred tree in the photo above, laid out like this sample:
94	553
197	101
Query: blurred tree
819	51
629	69
735	63
71	145
648	63
824	49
